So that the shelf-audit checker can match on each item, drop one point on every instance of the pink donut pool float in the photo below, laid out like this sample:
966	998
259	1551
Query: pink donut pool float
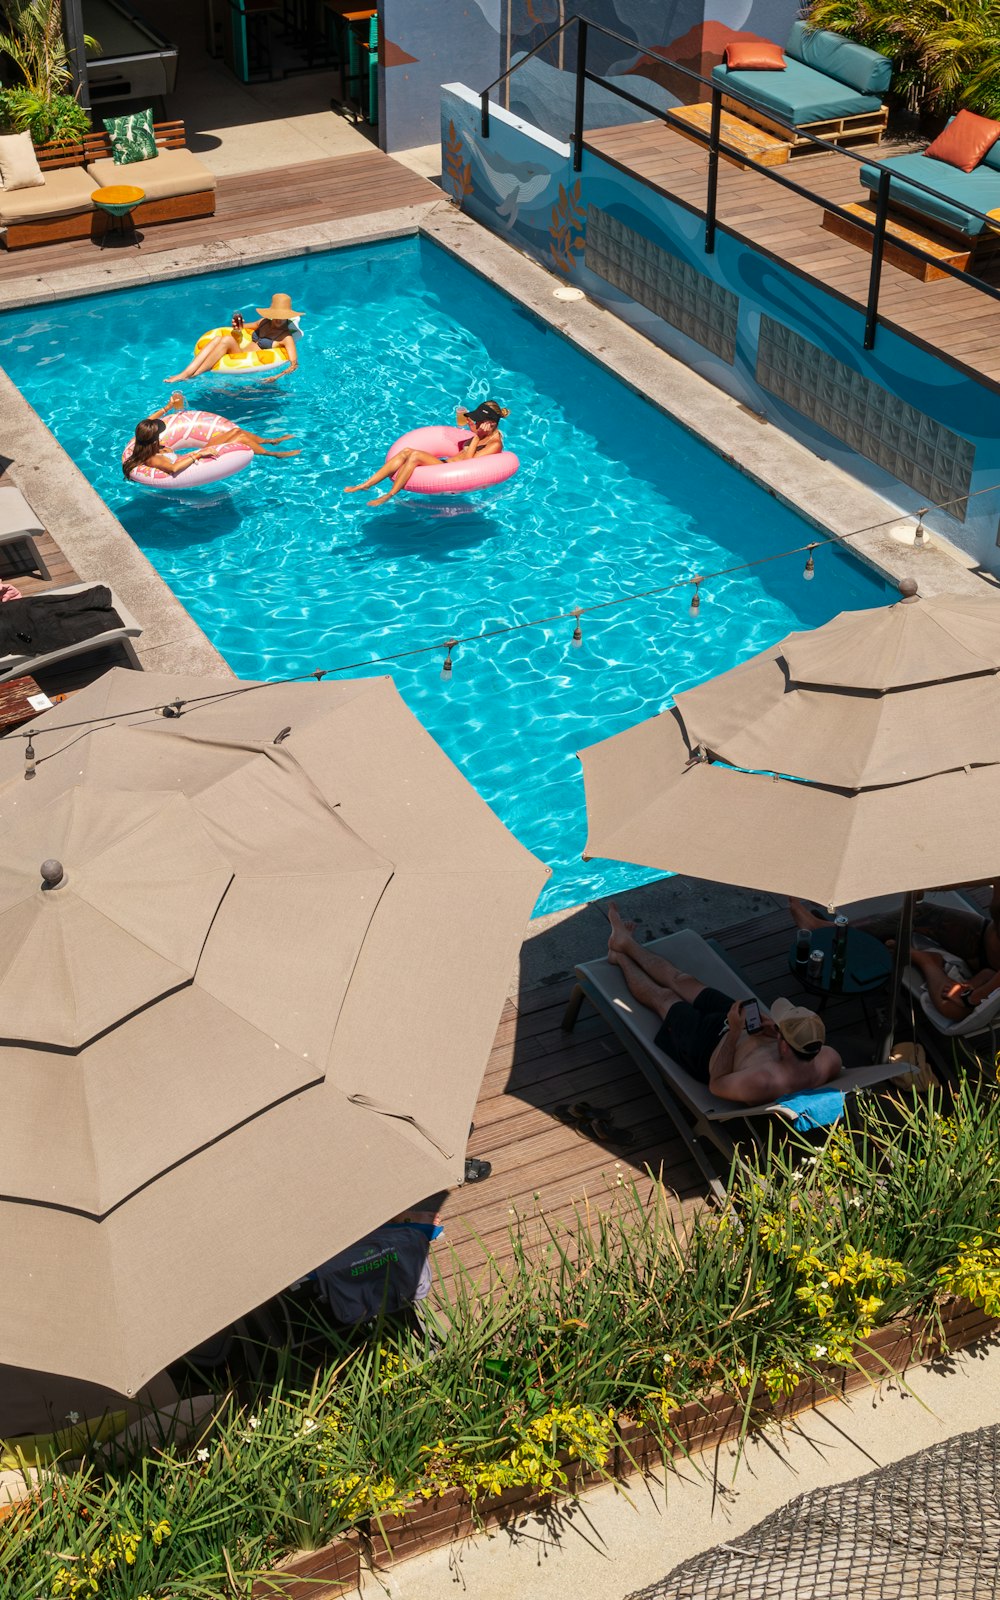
453	477
195	428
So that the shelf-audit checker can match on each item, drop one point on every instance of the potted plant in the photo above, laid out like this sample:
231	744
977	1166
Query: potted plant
42	104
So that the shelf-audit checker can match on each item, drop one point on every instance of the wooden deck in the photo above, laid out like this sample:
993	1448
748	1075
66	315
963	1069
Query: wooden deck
257	202
534	1066
947	318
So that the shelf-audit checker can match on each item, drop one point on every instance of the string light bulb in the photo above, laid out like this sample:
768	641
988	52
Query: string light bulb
446	668
577	639
29	758
920	532
809	570
695	605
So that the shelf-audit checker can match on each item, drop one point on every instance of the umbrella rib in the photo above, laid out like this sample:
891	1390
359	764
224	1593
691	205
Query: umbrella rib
101	1216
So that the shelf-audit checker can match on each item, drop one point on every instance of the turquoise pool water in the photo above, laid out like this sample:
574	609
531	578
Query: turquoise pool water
286	574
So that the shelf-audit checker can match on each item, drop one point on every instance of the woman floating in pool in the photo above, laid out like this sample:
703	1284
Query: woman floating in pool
275	330
146	451
484	422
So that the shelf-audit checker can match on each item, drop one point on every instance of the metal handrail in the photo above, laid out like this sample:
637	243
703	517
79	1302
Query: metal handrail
712	142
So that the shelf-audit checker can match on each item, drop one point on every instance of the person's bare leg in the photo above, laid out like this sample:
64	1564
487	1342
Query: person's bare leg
663	972
392	465
212	353
414	459
804	918
931	968
254	442
656	997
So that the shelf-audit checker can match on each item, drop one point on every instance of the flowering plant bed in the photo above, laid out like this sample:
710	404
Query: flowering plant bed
613	1343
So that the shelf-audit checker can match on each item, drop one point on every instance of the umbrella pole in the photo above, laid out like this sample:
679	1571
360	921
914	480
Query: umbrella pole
904	939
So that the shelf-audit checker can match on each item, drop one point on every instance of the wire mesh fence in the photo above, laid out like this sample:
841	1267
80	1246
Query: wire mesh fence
925	1528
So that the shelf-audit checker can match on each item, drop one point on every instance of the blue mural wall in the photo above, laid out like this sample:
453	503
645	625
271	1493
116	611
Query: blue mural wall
425	42
421	43
520	184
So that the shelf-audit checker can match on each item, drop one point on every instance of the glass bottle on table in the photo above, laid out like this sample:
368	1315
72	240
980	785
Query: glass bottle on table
838	957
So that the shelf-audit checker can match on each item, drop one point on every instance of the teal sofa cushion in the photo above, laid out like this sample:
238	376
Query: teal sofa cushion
854	64
979	188
797	95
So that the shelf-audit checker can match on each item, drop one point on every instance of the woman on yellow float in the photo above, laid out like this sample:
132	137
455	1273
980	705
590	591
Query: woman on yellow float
248	349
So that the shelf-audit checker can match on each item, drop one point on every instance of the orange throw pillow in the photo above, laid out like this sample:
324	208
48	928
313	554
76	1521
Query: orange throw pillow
754	55
965	141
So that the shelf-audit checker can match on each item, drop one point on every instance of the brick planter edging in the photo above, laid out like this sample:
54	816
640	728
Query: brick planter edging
698	1426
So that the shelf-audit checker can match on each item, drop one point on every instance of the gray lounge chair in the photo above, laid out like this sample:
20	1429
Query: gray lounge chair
19	525
12	666
696	1112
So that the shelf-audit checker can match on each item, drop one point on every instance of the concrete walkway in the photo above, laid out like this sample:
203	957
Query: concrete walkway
613	1542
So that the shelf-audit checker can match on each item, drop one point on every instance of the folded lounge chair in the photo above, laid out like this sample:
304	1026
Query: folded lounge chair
124	630
19	525
696	1112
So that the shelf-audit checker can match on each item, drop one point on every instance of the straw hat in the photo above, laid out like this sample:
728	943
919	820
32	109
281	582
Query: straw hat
280	309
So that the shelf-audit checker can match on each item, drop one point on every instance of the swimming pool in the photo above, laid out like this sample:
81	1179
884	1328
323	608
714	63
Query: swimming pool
287	574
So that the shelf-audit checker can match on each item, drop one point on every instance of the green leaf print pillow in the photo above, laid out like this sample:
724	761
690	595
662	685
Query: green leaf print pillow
132	137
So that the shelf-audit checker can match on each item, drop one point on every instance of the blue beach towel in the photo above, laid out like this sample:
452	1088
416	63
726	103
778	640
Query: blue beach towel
819	1110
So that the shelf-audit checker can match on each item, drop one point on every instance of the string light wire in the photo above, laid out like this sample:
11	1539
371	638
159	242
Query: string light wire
176	708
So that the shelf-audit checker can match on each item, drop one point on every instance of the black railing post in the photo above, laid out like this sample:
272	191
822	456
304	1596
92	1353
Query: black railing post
581	86
713	169
878	250
484	113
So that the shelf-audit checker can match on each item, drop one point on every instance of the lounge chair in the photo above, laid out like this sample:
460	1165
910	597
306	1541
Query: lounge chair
19	525
695	1111
12	666
985	1018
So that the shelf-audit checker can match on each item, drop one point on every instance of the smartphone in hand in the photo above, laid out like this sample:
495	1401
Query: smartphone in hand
751	1016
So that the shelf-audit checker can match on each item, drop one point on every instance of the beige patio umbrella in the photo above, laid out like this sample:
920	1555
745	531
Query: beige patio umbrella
860	759
252	958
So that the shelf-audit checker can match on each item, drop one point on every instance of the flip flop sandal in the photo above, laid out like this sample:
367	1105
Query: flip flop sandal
475	1170
576	1113
603	1131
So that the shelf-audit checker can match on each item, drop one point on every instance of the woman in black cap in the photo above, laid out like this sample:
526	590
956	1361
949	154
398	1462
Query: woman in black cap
484	423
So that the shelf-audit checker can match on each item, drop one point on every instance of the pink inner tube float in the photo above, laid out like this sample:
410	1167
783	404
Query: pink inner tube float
453	477
185	428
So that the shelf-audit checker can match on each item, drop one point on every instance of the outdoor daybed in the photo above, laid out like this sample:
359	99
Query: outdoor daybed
953	192
695	1111
829	87
26	651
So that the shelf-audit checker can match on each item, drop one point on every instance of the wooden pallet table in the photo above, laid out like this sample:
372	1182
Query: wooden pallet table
738	138
953	253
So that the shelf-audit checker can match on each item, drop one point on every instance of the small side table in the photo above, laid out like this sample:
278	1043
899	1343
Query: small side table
867	967
14	707
118	204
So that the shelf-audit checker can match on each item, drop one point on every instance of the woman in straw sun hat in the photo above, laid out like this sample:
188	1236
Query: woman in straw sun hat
276	329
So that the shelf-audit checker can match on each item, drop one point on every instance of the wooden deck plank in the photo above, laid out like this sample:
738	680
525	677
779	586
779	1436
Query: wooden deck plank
258	202
539	1164
949	319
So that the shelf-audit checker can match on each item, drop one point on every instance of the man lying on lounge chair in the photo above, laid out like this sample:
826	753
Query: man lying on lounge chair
706	1032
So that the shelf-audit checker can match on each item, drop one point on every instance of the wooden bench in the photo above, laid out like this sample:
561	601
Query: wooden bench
169	136
867	127
84	221
59	156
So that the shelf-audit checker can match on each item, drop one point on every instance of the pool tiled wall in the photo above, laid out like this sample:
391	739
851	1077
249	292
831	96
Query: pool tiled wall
669	287
898	418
